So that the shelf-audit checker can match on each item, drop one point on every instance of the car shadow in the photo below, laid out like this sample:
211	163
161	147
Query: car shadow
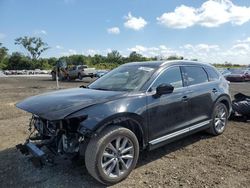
17	170
150	156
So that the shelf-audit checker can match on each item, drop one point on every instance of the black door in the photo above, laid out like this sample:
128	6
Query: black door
167	113
200	100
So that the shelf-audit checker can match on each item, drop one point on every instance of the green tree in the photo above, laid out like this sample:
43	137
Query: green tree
175	58
134	56
34	45
3	56
17	61
97	59
114	57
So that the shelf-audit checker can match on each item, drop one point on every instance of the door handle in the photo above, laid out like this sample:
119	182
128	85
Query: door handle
184	98
214	90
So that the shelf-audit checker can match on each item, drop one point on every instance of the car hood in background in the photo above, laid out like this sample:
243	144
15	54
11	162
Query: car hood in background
59	104
234	75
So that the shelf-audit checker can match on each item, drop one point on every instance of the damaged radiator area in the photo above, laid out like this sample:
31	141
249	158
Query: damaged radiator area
49	139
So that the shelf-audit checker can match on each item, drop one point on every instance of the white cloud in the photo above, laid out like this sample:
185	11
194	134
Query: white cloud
91	52
242	46
135	23
2	36
182	17
200	47
160	50
69	52
59	47
113	30
40	32
247	40
72	52
212	13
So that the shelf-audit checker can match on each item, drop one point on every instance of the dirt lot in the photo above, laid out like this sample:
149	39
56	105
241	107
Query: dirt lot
196	161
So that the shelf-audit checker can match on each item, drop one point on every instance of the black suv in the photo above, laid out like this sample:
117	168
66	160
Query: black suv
141	105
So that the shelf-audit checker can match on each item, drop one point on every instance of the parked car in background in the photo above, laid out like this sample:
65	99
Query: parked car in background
100	73
69	73
238	75
80	71
7	72
224	71
134	107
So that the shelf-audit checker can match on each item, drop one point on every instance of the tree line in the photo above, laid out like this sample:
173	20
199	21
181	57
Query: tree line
35	47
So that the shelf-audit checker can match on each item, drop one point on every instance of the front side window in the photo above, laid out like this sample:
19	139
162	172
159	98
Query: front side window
195	75
170	76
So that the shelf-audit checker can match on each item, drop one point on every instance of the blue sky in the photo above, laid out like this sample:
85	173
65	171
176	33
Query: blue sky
214	30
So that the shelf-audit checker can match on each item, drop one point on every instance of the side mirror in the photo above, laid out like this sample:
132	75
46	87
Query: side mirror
164	89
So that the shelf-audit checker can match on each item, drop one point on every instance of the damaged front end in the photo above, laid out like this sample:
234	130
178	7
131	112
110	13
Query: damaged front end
49	139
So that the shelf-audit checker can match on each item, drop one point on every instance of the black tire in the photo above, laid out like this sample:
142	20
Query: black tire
79	76
99	144
53	74
214	130
68	78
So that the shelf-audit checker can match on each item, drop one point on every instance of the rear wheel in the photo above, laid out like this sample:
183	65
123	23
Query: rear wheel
79	76
219	121
53	74
112	155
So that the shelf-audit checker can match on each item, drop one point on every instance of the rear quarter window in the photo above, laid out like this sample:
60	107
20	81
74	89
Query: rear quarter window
213	75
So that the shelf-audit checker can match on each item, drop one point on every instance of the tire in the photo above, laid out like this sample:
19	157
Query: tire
68	78
53	74
99	147
79	76
219	121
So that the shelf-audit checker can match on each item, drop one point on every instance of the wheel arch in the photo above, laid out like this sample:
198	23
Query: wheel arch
131	121
225	99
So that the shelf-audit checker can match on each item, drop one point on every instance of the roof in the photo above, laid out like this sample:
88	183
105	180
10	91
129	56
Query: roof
156	64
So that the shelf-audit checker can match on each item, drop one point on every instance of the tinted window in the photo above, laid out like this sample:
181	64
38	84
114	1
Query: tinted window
212	74
170	76
195	75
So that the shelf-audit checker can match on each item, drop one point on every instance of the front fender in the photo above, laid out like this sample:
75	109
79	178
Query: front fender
99	114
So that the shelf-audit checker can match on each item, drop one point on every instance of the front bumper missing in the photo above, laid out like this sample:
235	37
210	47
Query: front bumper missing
39	158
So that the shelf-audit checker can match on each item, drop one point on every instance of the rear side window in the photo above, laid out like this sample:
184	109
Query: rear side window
195	75
212	74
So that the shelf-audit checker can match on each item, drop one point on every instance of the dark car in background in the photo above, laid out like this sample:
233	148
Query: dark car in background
238	75
137	106
100	73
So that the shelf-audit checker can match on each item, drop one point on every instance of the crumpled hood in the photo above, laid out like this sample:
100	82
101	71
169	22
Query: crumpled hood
59	104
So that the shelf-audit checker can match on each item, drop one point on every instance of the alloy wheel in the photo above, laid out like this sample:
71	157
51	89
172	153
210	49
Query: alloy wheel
117	157
220	119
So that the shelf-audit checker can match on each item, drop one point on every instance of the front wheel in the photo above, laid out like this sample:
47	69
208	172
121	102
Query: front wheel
219	121
112	155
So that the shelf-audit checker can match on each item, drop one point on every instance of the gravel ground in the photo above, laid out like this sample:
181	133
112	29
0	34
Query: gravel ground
195	161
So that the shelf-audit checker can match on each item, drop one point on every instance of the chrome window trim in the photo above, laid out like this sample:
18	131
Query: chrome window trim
162	71
180	132
171	66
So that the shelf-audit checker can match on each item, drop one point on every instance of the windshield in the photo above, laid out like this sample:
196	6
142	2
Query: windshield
124	78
